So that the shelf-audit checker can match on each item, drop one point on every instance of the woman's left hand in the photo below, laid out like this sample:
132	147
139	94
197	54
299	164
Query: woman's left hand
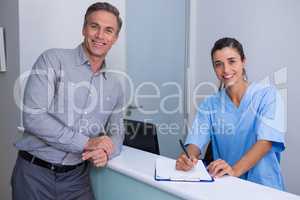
219	168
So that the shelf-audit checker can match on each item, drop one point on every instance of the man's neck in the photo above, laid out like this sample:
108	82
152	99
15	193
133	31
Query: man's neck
96	64
95	61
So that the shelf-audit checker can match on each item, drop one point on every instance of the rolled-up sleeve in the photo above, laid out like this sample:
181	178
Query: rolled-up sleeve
270	123
201	128
115	124
38	97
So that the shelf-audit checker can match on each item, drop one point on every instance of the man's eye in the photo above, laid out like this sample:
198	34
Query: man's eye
109	31
93	26
231	62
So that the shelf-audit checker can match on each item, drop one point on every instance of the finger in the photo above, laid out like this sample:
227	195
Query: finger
226	170
100	162
93	154
99	157
108	148
187	161
213	165
181	165
221	173
194	161
90	146
218	168
104	143
86	155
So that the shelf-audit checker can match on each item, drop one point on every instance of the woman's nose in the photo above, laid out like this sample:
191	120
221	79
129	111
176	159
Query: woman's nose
226	68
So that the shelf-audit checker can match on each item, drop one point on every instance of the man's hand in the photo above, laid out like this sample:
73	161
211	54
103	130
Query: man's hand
102	142
98	157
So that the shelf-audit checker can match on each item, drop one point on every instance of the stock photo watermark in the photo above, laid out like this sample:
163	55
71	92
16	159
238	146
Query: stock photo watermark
135	96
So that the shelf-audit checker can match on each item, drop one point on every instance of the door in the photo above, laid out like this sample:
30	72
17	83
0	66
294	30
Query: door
156	60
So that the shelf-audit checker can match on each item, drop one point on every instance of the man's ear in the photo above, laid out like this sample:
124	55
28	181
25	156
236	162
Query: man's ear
115	38
82	30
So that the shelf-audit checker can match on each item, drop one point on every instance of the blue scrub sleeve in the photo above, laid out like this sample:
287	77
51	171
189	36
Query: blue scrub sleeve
199	134
270	121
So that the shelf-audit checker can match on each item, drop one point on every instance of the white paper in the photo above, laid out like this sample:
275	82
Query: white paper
165	169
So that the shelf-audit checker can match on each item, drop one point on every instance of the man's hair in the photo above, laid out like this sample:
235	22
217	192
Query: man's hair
104	6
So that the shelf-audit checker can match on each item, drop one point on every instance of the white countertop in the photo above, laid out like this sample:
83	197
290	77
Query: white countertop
140	166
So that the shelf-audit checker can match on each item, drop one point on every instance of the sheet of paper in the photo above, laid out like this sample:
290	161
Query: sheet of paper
165	169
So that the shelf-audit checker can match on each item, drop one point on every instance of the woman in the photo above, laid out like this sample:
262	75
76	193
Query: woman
243	122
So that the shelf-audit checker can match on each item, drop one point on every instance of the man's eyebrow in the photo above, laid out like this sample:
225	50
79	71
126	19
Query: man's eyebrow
93	23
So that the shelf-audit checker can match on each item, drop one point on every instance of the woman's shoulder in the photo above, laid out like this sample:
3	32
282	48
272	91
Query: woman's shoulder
263	90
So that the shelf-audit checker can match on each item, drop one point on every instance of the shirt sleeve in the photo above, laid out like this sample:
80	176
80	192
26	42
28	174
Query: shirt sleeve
37	120
199	134
270	120
115	125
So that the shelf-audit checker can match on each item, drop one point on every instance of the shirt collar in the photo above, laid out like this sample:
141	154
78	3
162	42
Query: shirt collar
83	59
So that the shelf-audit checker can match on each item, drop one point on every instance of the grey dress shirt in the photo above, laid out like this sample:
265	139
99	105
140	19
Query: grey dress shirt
65	104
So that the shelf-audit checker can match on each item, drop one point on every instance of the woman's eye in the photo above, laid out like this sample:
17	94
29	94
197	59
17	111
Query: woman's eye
218	64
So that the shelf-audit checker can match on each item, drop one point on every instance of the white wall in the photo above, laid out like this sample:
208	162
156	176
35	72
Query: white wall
269	31
48	24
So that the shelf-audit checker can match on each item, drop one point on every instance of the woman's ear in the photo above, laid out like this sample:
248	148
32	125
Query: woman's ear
244	61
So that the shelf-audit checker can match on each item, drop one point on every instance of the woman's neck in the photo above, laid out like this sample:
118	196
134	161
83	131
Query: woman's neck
237	91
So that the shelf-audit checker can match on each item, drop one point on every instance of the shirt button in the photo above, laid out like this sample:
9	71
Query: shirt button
85	112
107	98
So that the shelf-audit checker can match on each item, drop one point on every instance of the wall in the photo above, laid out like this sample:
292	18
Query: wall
9	115
269	33
59	26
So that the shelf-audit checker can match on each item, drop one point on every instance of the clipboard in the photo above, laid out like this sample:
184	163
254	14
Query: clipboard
165	171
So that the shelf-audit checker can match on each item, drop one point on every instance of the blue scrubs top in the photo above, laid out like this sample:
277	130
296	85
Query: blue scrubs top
234	130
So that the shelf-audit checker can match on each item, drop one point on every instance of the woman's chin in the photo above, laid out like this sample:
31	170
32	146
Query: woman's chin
229	83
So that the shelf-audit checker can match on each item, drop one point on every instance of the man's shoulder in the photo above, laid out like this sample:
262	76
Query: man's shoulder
58	52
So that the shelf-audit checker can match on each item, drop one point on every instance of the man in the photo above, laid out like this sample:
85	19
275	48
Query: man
72	113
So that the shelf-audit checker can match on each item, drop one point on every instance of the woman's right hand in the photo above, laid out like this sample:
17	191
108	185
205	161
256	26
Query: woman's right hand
183	163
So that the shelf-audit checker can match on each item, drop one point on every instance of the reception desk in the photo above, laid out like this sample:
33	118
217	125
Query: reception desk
131	176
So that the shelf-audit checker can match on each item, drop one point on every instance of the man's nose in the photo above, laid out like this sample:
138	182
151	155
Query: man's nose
99	33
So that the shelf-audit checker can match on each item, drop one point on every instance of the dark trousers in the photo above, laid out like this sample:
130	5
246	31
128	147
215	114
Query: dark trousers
32	182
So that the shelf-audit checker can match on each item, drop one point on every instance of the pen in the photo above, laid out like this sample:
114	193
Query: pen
184	149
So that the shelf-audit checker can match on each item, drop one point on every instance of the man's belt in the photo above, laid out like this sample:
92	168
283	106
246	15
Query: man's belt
42	163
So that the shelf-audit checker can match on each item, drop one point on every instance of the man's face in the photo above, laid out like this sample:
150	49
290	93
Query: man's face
100	33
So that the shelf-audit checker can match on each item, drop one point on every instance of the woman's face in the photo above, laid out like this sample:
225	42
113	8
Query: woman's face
228	66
